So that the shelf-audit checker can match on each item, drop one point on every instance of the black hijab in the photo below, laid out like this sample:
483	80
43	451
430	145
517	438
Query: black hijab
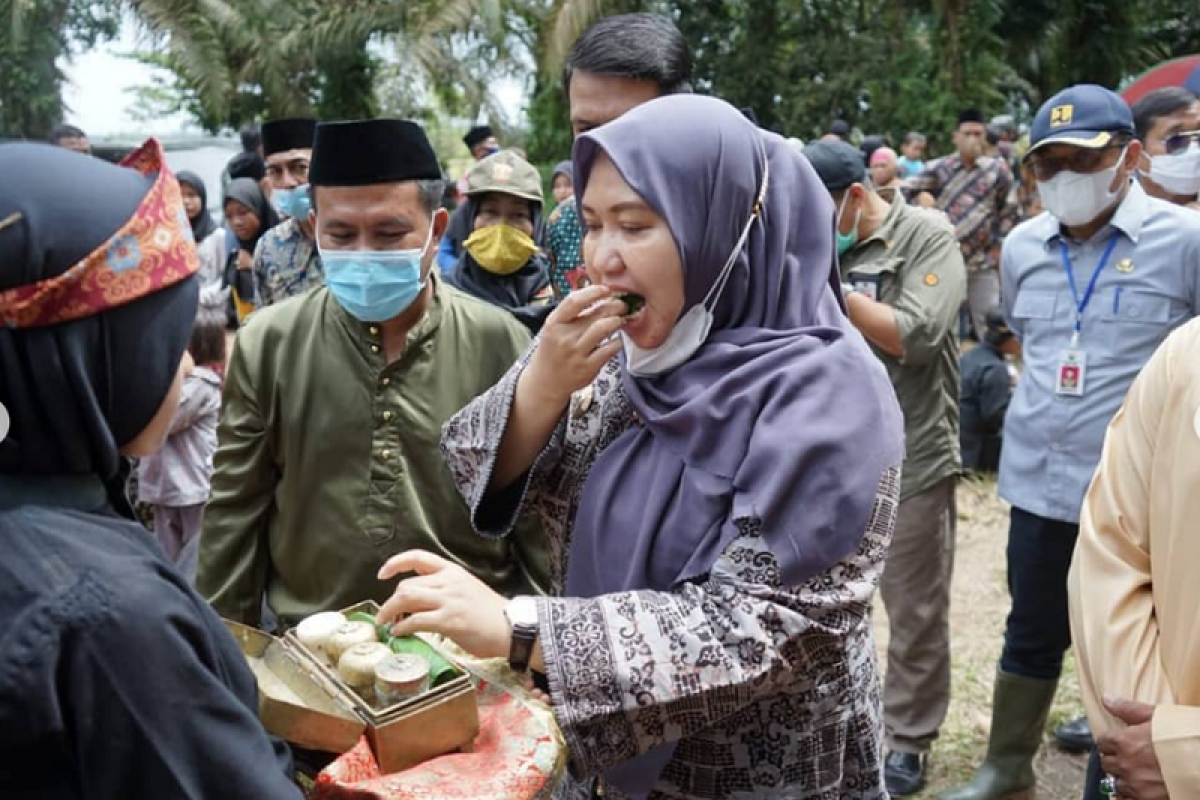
202	224
248	193
76	392
514	292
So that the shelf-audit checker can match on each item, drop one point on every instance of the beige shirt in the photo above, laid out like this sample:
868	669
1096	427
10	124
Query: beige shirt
1134	584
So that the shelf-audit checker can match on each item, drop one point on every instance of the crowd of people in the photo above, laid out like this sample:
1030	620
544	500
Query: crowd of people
655	433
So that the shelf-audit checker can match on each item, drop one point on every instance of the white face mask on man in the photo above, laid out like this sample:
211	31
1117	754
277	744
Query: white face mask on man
1076	198
1179	174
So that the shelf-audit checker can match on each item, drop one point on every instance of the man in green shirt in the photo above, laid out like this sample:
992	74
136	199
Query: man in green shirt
328	462
904	280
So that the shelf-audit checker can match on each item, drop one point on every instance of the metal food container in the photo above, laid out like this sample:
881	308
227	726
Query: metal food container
330	716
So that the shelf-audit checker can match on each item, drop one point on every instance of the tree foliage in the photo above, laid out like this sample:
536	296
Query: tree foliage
34	34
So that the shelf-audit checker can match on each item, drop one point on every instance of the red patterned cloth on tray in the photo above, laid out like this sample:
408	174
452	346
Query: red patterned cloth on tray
518	755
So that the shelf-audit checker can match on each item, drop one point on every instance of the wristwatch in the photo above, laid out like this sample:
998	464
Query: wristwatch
522	617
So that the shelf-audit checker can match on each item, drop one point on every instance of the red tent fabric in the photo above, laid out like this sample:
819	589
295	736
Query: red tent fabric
1177	72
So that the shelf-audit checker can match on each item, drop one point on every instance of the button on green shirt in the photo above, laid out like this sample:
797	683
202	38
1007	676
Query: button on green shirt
328	463
913	264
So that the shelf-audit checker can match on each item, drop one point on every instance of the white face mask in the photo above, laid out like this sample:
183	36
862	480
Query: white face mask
1076	198
692	329
1178	174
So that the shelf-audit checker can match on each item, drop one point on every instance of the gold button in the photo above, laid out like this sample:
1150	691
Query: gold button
385	382
374	348
374	330
386	454
387	416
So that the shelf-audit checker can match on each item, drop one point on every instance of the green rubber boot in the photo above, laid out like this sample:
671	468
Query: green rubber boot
1019	709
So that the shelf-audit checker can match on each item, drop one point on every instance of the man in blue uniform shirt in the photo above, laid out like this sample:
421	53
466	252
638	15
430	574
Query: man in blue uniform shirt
1091	287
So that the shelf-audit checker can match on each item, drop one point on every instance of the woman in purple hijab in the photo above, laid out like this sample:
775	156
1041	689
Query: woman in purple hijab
716	464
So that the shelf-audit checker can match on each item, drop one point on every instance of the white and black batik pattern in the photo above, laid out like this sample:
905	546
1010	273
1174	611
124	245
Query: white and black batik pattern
771	691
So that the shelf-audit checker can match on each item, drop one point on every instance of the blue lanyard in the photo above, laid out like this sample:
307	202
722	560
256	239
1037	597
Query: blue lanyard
1081	305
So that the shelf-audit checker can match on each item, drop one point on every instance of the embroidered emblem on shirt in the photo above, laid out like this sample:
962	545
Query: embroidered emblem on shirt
931	280
1061	115
1125	266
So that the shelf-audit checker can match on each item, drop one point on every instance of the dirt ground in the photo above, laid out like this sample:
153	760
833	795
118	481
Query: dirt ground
979	605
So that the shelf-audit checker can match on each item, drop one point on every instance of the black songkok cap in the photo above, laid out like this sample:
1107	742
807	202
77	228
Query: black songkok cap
281	135
970	115
477	135
372	151
247	165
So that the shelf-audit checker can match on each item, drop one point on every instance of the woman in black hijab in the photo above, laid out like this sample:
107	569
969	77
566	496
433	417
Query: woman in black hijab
116	679
249	215
501	262
211	248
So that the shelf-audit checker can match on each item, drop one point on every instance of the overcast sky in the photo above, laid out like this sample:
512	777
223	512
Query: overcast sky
99	99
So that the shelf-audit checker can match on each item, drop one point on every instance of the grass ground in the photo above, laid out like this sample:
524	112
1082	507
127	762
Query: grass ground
979	605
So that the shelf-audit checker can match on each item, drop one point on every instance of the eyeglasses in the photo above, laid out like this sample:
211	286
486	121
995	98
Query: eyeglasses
1081	161
1179	142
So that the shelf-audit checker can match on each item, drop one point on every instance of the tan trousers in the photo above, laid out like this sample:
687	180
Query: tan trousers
916	593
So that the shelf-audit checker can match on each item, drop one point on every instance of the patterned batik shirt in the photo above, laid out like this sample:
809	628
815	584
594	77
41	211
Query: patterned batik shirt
286	263
770	690
564	244
979	202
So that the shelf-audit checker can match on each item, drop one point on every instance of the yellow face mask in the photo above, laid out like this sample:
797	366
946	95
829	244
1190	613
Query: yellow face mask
500	249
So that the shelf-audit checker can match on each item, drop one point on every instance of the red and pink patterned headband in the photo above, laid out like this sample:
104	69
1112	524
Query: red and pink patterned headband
153	250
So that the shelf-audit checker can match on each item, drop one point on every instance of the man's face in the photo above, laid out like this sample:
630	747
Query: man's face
1053	159
79	144
386	216
1159	136
599	99
485	148
970	139
288	169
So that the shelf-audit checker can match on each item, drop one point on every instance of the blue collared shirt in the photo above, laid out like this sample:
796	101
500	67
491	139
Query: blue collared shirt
1149	287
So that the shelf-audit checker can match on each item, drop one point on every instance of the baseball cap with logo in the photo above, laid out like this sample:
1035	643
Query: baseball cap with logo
507	173
1084	116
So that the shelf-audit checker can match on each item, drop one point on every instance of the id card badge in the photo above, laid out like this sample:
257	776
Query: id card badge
1072	373
867	285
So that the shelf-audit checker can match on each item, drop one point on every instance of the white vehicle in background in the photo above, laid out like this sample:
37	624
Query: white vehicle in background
207	156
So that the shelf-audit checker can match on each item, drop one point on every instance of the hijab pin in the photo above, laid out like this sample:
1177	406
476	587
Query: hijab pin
10	220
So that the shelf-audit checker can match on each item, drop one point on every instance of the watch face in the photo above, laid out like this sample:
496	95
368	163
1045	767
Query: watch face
522	612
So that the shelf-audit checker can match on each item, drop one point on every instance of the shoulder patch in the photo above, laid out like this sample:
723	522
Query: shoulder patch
931	279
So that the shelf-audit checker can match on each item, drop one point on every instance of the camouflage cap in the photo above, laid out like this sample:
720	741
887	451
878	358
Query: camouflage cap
507	173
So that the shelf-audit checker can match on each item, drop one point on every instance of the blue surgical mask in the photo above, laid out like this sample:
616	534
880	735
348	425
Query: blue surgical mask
375	285
294	203
846	240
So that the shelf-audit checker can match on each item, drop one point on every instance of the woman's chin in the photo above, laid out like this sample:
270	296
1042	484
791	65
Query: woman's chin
642	331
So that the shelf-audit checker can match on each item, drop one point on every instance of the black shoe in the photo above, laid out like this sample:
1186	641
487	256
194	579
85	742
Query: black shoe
1075	736
904	774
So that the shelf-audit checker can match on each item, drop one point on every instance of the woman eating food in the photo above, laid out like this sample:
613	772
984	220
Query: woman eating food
714	454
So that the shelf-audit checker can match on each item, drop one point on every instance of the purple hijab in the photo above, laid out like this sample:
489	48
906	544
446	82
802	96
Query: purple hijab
784	415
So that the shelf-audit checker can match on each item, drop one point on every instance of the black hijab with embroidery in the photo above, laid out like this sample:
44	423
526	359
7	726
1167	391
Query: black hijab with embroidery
77	392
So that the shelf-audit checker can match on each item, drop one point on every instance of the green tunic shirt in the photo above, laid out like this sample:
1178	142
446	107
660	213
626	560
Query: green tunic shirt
913	264
328	463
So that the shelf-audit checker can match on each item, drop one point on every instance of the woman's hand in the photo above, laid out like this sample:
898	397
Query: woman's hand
445	599
575	344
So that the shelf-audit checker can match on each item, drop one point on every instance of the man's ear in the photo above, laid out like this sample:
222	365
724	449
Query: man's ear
441	221
1134	156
